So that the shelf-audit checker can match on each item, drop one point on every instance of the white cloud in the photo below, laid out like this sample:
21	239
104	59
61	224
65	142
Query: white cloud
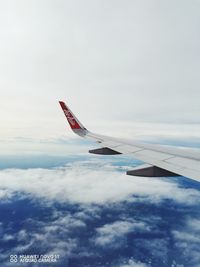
66	142
50	237
5	194
92	182
194	224
111	234
188	242
132	263
7	237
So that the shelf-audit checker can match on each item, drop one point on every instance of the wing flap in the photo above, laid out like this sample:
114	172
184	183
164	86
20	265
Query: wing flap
183	162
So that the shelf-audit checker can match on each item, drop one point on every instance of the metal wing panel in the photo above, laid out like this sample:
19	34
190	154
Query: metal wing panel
127	149
185	162
153	154
185	152
165	157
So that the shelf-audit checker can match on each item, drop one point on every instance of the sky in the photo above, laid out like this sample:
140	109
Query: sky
126	68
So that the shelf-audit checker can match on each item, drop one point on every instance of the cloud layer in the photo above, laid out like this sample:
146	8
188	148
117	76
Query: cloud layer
91	182
91	214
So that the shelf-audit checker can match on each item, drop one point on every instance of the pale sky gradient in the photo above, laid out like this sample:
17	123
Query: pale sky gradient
126	68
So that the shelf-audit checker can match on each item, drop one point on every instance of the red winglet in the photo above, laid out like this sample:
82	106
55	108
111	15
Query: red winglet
73	121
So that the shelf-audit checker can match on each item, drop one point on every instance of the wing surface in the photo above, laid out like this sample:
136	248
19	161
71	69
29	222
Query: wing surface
177	160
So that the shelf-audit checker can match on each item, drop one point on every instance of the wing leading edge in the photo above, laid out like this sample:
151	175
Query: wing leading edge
162	160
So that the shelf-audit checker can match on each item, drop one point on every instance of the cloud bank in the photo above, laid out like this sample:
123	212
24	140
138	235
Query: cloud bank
89	212
91	182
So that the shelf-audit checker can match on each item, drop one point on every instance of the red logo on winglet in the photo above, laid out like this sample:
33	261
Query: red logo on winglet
69	117
72	121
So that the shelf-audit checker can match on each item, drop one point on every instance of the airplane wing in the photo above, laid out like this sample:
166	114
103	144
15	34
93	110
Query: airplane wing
161	160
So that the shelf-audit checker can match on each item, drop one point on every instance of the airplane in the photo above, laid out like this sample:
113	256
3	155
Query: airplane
161	160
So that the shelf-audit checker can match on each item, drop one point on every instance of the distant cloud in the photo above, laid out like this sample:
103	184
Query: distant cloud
132	263
189	234
91	181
